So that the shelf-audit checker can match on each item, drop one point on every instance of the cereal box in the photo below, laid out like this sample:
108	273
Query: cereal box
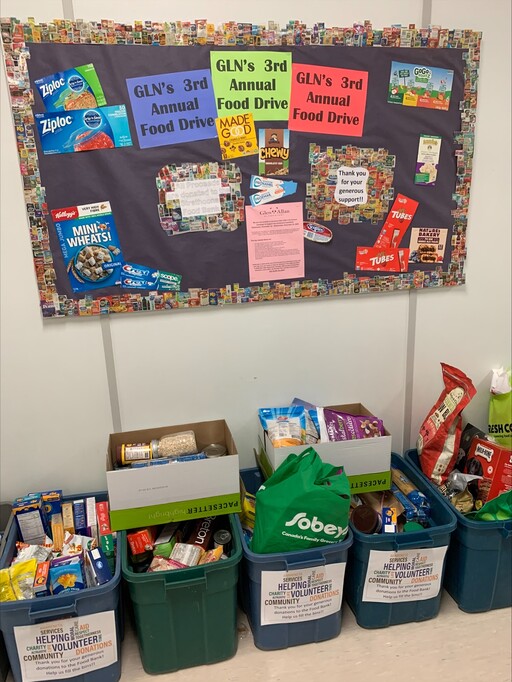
89	244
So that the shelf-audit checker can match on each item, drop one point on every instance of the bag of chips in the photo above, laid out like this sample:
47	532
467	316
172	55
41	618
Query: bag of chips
439	437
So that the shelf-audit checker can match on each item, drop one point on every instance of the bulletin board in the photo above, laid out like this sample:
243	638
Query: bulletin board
182	164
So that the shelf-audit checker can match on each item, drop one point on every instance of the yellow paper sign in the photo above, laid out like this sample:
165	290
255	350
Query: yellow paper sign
237	135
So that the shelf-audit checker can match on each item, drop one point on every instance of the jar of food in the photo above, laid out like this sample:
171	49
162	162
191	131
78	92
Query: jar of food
136	452
170	446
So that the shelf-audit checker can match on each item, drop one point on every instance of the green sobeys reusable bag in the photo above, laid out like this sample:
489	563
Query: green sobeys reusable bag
304	504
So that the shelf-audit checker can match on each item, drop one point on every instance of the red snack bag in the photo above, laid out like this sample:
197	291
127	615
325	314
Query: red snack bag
439	438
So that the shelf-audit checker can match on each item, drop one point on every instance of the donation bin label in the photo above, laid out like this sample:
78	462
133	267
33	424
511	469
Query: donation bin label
411	575
301	595
59	649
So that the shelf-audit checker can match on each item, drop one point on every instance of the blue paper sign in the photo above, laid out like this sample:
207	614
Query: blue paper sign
170	108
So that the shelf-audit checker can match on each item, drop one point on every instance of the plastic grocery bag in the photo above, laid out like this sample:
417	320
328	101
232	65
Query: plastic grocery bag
304	504
500	407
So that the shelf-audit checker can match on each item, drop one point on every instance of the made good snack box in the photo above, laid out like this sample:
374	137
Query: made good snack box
178	491
366	461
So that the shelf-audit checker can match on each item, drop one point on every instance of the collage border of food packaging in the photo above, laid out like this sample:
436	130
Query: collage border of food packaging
17	35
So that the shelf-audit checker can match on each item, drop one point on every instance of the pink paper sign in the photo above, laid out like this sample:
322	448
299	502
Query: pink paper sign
275	242
328	100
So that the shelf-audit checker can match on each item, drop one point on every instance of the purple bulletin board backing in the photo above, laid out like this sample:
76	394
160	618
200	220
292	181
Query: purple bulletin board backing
139	201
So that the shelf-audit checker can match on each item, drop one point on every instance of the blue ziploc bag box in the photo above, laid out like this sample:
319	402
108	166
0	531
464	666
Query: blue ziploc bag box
84	130
77	88
89	243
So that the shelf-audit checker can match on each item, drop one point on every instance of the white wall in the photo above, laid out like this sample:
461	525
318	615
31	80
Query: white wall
67	384
470	327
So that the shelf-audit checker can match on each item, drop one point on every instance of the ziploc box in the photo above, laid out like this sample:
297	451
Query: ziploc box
366	461
89	244
153	495
77	88
84	130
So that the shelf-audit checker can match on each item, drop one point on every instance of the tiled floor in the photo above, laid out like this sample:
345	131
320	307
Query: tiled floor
454	647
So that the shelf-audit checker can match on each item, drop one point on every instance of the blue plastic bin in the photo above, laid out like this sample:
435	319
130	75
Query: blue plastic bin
283	635
91	600
479	563
371	614
5	521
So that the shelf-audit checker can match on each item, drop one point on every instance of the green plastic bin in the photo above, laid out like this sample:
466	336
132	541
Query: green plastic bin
188	616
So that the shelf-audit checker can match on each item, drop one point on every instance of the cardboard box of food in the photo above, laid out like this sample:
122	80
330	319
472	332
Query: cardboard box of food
366	461
173	492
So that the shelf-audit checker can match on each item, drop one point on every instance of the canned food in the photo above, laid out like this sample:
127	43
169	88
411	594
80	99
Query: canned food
222	538
214	450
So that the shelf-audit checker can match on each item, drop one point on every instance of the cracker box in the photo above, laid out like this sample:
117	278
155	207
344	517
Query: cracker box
494	463
153	495
41	579
31	519
141	540
97	569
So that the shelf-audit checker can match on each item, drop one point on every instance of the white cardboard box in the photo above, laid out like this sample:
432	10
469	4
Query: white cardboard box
361	458
173	492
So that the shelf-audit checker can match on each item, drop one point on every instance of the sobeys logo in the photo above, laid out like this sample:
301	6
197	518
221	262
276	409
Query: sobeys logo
302	521
422	74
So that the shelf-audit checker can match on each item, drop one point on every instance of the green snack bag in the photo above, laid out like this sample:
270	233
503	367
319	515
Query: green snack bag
304	504
498	509
500	407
